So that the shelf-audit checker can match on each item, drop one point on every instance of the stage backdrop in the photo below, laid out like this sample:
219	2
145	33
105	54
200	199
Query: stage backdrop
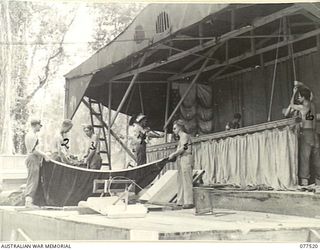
249	93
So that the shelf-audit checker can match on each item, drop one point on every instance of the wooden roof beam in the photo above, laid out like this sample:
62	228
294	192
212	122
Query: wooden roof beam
312	8
248	55
165	72
257	23
282	59
194	54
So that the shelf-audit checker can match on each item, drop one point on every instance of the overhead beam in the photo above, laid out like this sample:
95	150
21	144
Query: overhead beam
112	132
194	54
212	78
256	23
282	59
312	8
262	42
166	72
151	81
199	59
121	82
248	55
194	80
238	37
301	24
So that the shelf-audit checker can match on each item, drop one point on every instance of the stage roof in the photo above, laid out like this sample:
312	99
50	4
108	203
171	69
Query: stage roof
169	42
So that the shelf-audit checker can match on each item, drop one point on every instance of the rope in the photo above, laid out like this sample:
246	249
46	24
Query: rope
274	72
292	55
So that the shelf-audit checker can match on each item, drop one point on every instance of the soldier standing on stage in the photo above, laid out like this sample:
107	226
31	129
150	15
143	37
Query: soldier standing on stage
140	136
184	164
308	138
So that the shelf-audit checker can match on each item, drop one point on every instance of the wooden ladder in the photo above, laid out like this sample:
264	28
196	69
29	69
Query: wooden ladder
96	110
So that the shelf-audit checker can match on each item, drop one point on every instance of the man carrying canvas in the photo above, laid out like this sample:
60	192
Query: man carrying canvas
33	162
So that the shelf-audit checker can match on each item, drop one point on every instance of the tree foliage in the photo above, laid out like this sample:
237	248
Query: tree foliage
35	33
111	19
34	55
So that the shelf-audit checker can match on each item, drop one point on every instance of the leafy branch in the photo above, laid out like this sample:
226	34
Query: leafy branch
43	80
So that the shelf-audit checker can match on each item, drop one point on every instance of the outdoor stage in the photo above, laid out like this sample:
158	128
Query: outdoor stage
222	225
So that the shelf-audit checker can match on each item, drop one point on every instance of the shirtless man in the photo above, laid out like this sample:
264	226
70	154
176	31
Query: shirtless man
308	139
61	143
92	158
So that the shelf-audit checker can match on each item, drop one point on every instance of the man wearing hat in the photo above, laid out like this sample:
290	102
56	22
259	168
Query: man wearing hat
33	162
140	136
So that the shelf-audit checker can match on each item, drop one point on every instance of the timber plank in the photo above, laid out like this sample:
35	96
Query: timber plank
279	202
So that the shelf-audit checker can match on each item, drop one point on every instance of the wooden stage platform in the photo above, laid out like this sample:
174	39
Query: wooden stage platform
222	225
305	204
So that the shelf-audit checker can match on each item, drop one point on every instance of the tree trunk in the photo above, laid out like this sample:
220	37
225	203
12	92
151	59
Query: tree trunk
6	146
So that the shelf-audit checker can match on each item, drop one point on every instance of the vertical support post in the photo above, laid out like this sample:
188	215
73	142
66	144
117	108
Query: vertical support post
109	121
171	48
201	33
261	60
233	19
227	52
318	44
253	47
240	93
127	92
167	110
285	29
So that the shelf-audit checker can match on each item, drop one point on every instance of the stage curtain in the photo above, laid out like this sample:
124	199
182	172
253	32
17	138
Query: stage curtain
190	99
266	158
196	108
204	95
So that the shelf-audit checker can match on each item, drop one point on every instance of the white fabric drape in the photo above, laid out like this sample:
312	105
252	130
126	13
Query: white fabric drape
263	158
